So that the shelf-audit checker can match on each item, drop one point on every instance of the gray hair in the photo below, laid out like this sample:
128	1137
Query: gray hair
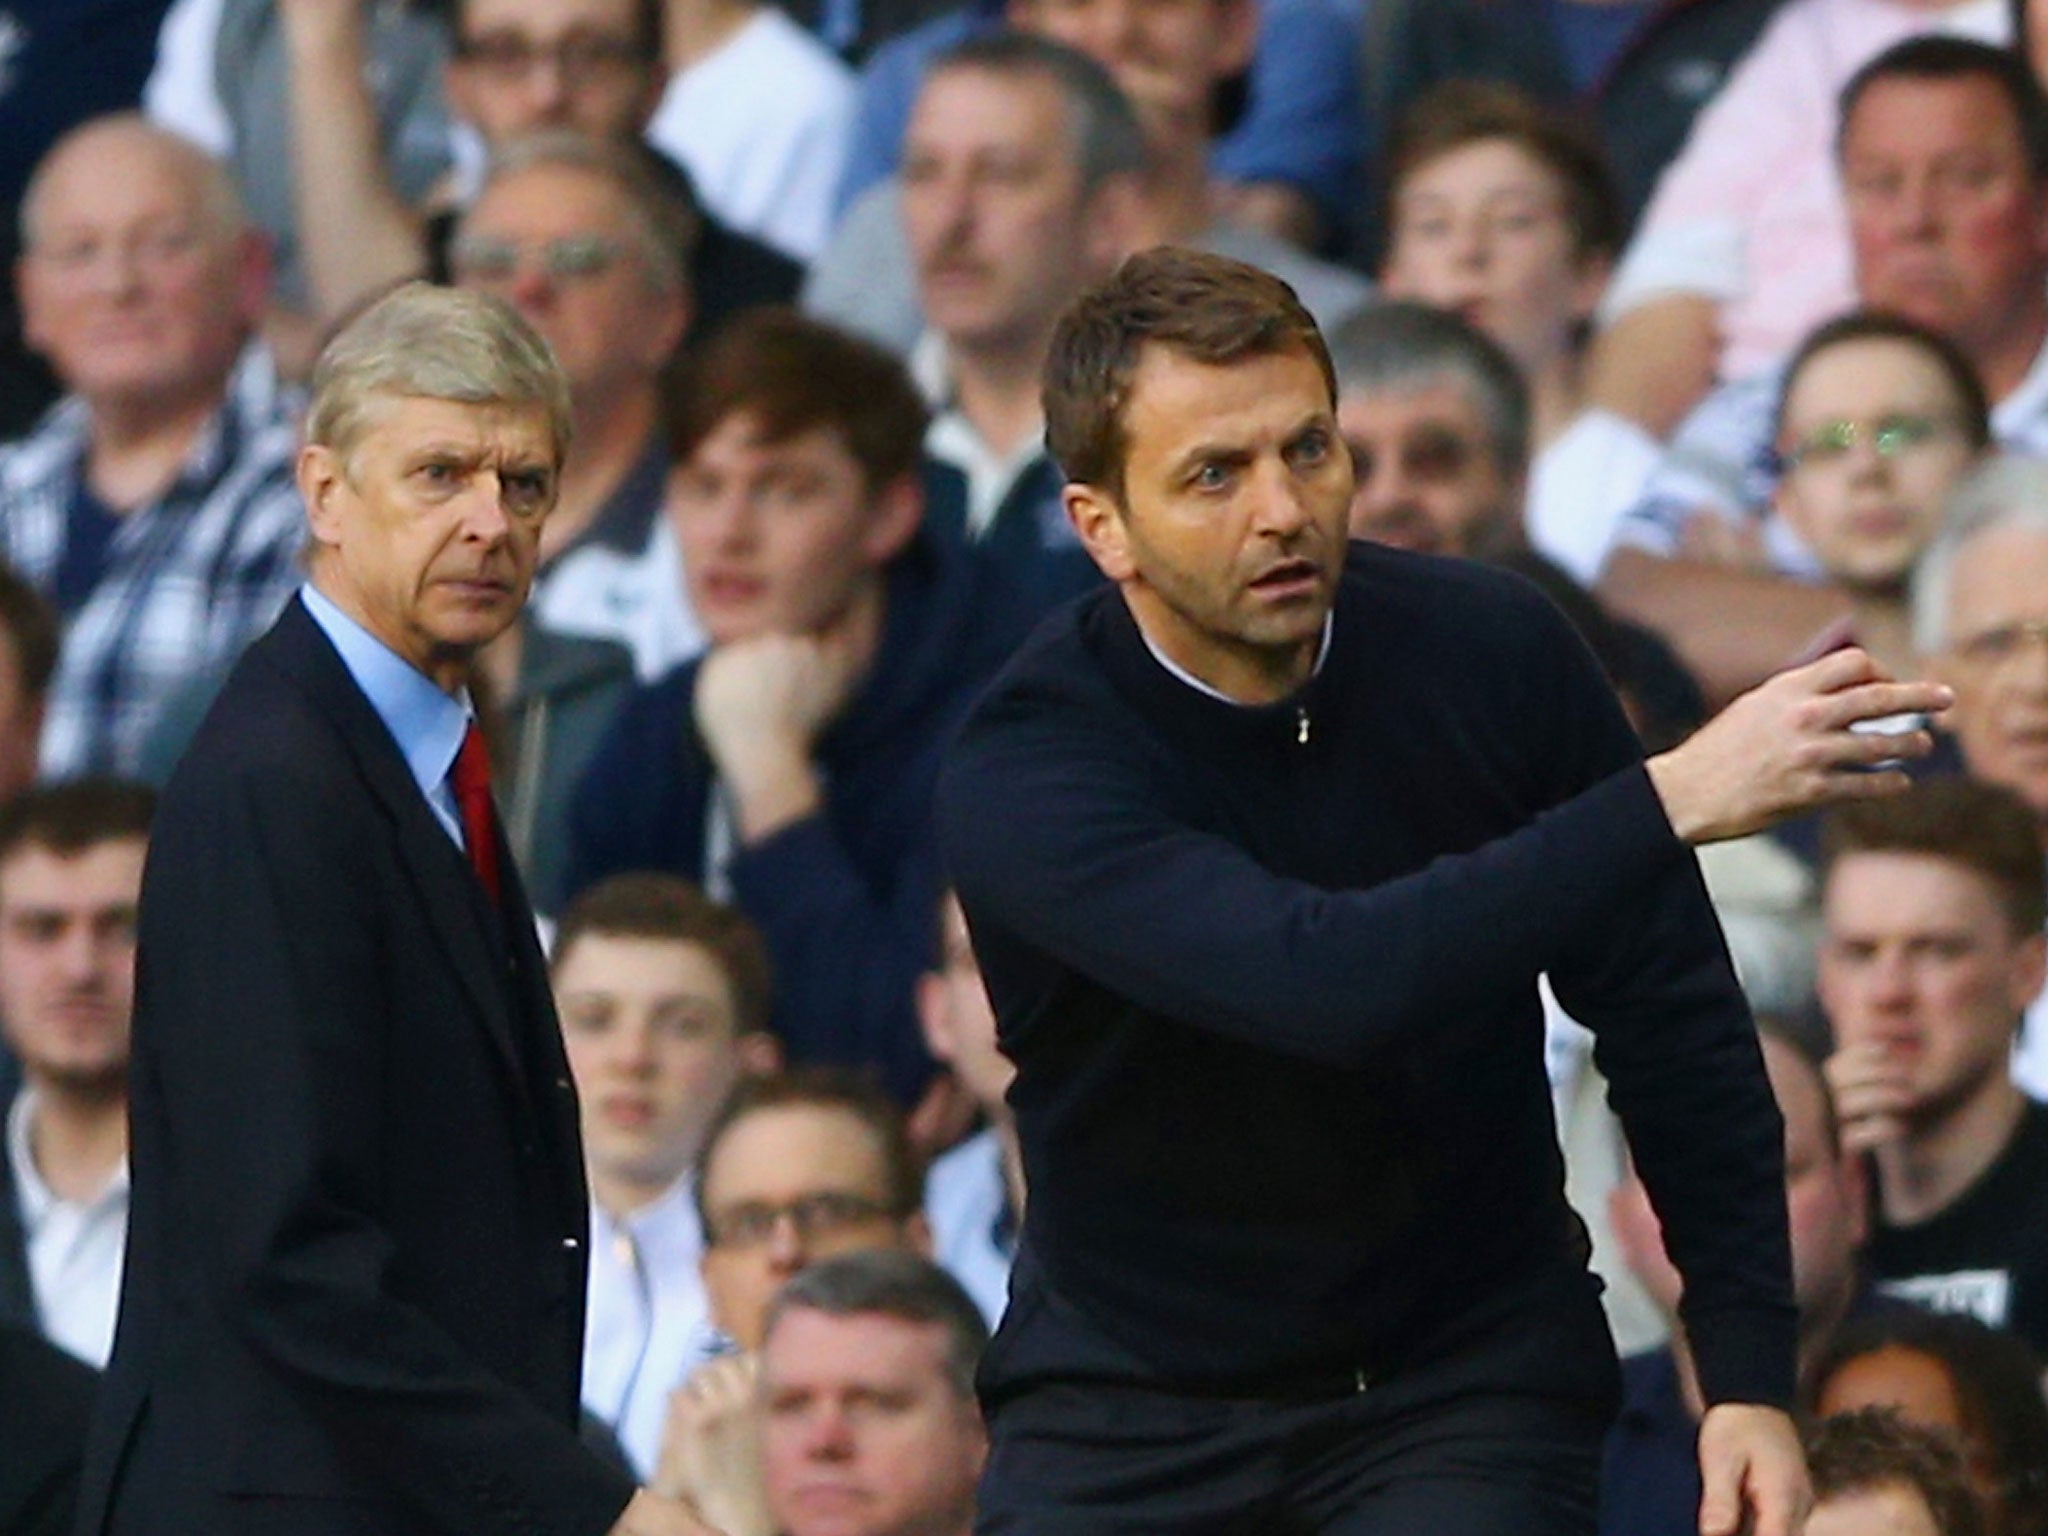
2009	490
424	342
1397	346
664	225
213	188
895	1284
1107	137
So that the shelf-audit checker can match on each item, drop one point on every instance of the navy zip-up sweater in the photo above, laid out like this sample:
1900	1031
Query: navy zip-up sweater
1269	978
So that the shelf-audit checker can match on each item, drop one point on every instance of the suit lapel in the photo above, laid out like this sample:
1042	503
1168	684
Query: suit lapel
457	910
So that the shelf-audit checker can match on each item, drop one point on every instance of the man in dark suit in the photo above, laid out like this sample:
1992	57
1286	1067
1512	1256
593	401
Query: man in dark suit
354	1293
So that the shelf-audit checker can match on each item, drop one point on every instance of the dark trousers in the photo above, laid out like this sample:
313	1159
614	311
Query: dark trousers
1394	1460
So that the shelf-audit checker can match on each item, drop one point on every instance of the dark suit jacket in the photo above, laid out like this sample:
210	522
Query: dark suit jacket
17	1289
353	1299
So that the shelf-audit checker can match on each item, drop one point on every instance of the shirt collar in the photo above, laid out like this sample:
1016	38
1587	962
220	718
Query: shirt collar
1174	669
35	1195
427	724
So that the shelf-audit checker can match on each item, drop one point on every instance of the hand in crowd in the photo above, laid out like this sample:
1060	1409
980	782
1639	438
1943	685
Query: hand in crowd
1790	745
761	705
1871	1090
1752	1473
711	1446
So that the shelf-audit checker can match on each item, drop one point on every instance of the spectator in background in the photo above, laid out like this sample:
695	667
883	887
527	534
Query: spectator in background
154	506
1286	138
790	768
1980	617
1873	1471
1503	212
1933	905
849	1336
514	66
974	1192
1436	418
1968	259
70	874
1977	1386
1650	1482
28	660
226	77
1743	249
796	1169
62	62
1019	183
757	110
663	997
1177	62
1877	420
1640	70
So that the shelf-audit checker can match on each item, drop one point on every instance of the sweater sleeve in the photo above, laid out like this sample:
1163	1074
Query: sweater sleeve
1053	830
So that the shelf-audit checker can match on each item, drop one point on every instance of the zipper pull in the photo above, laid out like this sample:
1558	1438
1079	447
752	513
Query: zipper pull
1301	725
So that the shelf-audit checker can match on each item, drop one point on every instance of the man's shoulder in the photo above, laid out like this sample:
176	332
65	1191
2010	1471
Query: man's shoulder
1401	595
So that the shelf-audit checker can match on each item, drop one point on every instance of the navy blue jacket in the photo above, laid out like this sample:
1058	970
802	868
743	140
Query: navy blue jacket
846	899
1269	978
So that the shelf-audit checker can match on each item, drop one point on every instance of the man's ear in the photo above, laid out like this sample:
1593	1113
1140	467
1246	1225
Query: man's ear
319	473
898	510
1098	520
1237	26
1112	222
934	1017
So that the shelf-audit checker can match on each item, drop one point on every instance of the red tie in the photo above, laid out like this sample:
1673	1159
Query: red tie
472	778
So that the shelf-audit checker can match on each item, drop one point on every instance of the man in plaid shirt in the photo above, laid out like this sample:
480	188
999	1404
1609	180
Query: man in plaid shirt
154	505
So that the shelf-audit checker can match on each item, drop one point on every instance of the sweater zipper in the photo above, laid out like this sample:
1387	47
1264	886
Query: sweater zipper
1301	724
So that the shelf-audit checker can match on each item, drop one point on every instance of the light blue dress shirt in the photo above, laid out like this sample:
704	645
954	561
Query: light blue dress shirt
427	724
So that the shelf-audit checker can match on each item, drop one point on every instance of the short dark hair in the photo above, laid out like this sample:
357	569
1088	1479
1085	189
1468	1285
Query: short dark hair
1986	828
1206	308
892	1284
1402	344
74	815
647	29
794	374
1997	1382
1937	56
29	624
1867	1449
1874	325
833	1090
645	904
1462	112
1108	138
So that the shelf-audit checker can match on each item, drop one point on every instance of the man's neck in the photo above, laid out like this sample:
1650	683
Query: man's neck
2007	352
138	445
608	442
619	1197
77	1140
996	387
1883	626
1555	400
1926	1171
1004	1124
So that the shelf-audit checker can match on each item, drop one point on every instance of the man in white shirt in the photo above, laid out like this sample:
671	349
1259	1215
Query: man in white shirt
663	997
70	873
1020	184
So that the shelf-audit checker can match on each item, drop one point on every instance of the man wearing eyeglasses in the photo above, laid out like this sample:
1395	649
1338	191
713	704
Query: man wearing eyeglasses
1966	257
796	1169
515	67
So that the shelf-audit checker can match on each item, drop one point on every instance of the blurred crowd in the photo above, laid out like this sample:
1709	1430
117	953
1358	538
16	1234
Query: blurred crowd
1724	322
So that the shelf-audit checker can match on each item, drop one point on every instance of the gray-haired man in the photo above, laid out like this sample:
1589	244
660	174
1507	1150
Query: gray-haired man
354	1291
